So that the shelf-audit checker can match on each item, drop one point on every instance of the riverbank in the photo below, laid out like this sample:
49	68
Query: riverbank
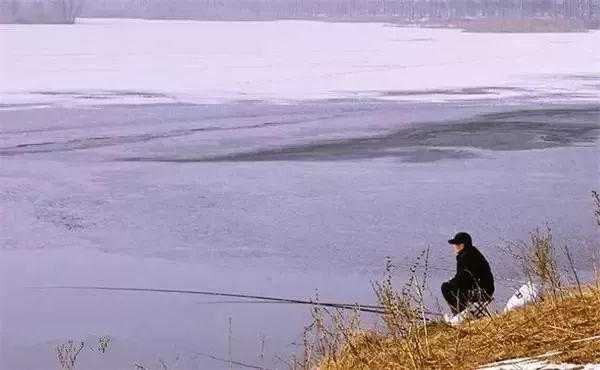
563	330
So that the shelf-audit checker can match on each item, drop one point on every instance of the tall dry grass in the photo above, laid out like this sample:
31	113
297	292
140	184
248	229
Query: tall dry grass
335	337
538	261
68	353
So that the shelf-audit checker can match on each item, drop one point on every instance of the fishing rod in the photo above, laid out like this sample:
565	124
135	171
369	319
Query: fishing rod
346	306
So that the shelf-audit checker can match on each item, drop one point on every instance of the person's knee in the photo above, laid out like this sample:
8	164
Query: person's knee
445	287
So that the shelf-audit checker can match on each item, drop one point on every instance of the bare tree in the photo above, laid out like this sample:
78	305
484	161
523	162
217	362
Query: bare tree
67	11
71	9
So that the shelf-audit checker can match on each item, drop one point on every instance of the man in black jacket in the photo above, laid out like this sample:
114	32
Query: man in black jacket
473	281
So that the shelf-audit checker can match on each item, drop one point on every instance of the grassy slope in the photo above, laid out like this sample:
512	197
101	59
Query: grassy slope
551	325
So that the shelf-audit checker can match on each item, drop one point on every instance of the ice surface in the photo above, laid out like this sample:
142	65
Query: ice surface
125	61
283	228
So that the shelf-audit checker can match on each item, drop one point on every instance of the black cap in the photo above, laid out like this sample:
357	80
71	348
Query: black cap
461	238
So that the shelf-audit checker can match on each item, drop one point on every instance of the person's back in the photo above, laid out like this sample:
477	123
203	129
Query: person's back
474	263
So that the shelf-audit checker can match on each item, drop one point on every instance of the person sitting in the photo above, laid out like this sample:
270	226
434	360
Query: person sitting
473	282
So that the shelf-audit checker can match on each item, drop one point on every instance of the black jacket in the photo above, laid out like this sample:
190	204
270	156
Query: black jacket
472	271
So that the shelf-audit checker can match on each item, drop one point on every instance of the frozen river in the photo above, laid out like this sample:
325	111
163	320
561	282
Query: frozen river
110	60
291	164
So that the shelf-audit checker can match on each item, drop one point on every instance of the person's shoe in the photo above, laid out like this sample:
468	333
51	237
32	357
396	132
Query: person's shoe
447	318
456	319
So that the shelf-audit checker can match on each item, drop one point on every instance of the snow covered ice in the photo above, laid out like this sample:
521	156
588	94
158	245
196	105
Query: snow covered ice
195	61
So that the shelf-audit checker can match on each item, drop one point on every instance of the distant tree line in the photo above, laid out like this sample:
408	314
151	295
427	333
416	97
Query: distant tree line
411	10
66	11
40	11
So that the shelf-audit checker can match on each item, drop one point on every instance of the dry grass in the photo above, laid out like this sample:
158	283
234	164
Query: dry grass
405	321
596	197
68	353
537	329
537	258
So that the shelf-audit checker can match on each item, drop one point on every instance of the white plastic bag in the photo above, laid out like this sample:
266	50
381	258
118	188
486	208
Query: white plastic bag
524	295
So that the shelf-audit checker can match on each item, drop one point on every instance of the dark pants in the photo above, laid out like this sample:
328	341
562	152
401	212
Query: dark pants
459	300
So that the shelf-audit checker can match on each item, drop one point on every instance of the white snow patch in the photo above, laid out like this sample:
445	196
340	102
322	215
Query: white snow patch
529	364
107	61
538	362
